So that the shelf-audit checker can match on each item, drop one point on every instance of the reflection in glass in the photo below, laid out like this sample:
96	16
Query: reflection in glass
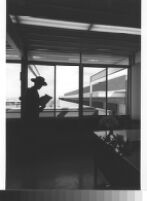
117	91
94	91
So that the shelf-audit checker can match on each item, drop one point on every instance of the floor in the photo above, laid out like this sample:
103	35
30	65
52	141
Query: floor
48	156
63	163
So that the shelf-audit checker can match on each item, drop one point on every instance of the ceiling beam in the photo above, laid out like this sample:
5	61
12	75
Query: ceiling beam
46	32
85	43
34	31
13	38
76	50
47	63
132	19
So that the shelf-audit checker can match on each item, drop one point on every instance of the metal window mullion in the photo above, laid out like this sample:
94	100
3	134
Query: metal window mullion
129	83
129	97
80	87
106	90
55	73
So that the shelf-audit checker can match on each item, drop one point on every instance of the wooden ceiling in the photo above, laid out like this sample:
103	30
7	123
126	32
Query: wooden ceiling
49	44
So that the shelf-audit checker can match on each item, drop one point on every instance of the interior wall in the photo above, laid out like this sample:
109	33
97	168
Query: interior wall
136	88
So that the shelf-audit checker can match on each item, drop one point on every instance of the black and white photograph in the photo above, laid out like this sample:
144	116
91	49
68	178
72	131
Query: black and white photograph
73	95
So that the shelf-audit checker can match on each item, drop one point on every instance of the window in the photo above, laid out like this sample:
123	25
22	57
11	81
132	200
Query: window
94	91
67	91
48	73
103	89
62	83
13	91
117	91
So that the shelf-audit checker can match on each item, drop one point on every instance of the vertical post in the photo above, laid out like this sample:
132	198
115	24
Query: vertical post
129	84
90	97
55	90
106	90
24	80
128	91
80	87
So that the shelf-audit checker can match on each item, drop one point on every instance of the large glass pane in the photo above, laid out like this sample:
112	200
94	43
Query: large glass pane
117	91
67	91
94	91
13	103
48	73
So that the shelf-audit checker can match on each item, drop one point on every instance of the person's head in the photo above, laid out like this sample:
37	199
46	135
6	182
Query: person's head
39	82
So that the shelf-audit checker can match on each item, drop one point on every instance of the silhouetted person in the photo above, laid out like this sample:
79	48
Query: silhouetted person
33	103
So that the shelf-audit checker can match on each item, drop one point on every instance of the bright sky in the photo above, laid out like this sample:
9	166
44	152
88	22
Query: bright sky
13	81
67	79
88	72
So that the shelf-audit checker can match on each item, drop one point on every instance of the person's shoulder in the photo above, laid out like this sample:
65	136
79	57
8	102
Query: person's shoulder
30	90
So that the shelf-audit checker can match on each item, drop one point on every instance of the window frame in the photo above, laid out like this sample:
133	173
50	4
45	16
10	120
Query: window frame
81	76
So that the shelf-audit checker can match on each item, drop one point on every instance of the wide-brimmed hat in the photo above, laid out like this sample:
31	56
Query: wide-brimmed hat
39	80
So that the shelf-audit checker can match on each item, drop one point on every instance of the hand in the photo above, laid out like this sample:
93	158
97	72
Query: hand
41	108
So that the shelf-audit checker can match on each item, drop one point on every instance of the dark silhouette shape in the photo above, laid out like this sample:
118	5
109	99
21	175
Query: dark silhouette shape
63	112
33	104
